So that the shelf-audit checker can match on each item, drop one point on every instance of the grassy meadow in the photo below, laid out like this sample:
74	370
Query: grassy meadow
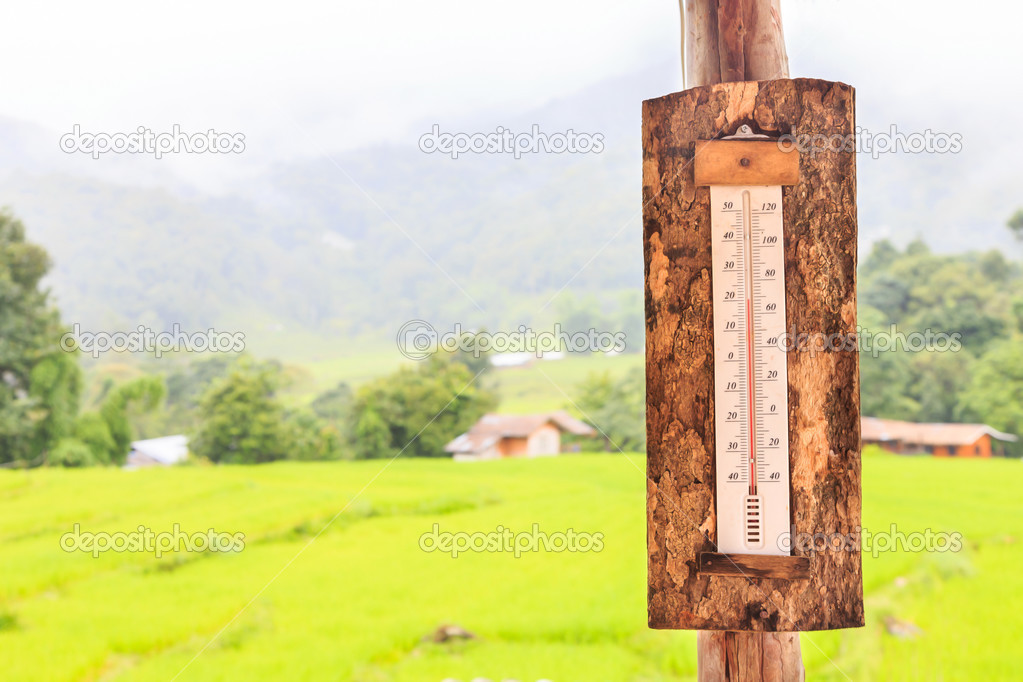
540	386
332	583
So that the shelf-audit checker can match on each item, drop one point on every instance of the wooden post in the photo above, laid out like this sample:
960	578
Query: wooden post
732	40
761	656
739	40
750	625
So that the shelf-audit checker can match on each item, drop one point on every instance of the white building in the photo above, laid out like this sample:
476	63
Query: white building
157	452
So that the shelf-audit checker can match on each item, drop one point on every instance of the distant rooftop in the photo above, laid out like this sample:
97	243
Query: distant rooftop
492	427
166	450
875	430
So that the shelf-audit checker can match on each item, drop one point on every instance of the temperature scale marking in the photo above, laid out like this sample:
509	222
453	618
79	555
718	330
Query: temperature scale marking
750	377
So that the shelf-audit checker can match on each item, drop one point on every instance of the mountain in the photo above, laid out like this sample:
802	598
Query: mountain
359	241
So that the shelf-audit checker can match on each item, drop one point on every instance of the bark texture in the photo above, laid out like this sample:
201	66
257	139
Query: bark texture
732	40
823	383
702	63
749	657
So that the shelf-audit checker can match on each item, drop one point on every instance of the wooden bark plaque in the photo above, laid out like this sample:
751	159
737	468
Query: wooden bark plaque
824	590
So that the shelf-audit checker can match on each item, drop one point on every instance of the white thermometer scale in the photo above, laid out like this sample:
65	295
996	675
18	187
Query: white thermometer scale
750	378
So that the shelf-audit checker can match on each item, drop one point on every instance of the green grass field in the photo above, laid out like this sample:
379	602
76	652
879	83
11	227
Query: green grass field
356	603
546	386
541	386
538	387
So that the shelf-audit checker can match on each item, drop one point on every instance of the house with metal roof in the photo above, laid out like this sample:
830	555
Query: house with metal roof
157	452
940	440
496	436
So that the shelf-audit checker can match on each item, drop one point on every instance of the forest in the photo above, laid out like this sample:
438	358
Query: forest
230	405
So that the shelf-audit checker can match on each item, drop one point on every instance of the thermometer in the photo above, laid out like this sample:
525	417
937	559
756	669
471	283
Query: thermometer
750	377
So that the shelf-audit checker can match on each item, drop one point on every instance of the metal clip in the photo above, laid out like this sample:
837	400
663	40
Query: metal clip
746	133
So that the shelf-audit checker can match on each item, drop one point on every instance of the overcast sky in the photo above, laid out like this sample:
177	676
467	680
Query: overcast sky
303	76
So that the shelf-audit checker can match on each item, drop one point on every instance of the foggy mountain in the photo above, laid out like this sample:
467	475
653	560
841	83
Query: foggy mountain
359	241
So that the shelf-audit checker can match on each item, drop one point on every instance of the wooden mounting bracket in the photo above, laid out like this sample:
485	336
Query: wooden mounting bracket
755	566
742	162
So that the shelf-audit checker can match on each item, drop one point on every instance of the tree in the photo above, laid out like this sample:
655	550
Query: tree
1017	313
416	411
312	438
371	435
55	385
473	352
108	431
972	296
961	297
616	408
144	393
92	431
883	381
995	395
882	254
185	386
334	404
937	384
241	420
581	314
1015	224
40	383
71	452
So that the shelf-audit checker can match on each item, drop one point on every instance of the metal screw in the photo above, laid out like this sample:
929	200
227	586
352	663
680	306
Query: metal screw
744	162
